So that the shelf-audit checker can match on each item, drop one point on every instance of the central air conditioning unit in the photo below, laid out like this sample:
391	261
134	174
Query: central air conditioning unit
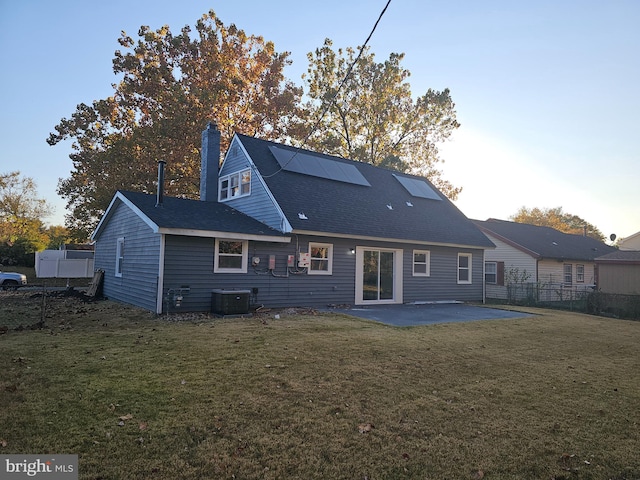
230	302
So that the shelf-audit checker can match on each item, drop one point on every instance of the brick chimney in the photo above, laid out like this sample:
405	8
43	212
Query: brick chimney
210	160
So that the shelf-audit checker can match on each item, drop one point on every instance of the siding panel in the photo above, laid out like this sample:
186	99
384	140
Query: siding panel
189	262
551	272
138	284
442	284
259	204
512	258
619	278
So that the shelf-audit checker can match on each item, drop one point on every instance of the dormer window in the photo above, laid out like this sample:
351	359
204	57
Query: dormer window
236	185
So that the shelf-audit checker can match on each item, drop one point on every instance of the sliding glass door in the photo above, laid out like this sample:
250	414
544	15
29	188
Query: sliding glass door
378	273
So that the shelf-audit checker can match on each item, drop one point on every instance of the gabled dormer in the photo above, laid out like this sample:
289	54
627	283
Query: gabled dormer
240	186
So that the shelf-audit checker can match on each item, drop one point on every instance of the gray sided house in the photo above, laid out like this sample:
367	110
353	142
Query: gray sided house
290	227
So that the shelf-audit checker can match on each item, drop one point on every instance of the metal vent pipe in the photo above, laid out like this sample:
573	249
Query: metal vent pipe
160	194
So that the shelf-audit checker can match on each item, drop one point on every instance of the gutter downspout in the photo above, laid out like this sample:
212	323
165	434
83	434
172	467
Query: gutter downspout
484	283
159	294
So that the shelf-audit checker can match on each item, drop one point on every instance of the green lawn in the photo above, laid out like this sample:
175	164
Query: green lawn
554	396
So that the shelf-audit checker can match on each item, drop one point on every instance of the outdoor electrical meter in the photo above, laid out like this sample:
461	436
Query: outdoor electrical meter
304	259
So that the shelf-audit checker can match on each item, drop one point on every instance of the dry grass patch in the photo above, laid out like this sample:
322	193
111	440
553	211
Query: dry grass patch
325	396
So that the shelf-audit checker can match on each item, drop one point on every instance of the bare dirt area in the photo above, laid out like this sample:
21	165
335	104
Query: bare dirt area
30	309
35	309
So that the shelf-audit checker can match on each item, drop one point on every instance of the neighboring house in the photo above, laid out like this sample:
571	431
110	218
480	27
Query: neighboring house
619	271
292	228
631	242
528	256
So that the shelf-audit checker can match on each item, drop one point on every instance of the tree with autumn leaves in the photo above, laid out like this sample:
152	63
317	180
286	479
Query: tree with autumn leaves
558	219
372	116
171	85
22	215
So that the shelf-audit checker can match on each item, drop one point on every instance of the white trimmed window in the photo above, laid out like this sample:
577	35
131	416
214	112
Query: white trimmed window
579	273
568	273
491	272
230	256
321	258
421	263
464	267
235	185
119	256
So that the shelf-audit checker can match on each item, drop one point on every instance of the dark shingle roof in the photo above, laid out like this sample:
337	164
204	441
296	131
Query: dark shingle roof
545	242
621	256
181	213
335	207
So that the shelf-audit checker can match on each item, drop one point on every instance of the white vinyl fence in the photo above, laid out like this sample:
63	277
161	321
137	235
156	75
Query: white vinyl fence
57	264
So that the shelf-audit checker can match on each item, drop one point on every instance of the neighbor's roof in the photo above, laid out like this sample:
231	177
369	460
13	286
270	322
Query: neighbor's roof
545	242
182	216
377	207
621	256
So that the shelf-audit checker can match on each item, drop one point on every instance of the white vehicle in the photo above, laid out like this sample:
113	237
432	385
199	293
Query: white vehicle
12	280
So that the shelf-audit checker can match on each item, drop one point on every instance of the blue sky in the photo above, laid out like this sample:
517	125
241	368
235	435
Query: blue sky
547	92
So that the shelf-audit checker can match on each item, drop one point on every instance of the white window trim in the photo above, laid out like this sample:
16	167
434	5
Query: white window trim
564	274
245	256
398	276
427	253
464	282
579	274
329	270
119	256
495	273
228	178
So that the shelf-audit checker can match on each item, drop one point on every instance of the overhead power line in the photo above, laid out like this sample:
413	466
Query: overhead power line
335	95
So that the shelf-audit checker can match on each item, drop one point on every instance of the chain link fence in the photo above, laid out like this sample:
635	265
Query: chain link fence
576	298
614	305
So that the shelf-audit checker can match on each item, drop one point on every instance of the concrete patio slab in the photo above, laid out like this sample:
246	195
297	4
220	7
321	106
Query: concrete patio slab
408	315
